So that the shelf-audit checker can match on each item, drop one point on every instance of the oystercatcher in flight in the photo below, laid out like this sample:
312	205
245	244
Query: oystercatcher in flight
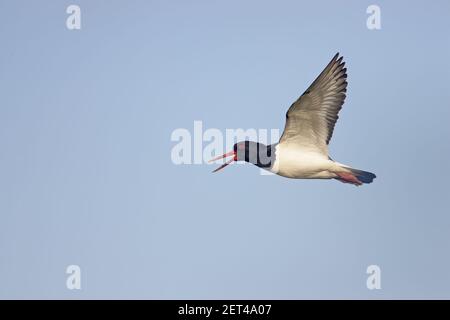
302	152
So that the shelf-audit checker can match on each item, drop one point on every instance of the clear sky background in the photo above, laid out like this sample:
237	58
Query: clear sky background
86	176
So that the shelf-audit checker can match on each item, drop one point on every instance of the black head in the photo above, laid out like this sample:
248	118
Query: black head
253	152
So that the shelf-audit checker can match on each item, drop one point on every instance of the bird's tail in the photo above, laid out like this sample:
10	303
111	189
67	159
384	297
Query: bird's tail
354	176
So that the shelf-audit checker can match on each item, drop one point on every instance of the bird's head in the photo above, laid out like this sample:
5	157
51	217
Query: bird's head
249	151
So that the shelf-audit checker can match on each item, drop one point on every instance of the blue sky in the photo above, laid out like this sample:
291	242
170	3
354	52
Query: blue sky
86	175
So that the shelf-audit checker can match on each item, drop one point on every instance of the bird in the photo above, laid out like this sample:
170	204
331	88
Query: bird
302	151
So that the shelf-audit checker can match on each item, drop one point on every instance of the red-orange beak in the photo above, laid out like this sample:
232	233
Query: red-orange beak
228	154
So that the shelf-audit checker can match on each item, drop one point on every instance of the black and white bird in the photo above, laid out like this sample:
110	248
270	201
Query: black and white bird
302	152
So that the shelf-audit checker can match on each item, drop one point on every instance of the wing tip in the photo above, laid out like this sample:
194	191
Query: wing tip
338	59
338	55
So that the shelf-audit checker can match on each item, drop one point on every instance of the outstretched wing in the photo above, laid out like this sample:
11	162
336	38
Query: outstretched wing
310	120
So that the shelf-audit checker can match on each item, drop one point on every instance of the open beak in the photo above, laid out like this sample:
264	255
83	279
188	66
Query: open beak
226	155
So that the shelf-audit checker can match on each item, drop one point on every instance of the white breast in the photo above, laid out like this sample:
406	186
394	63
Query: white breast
299	163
